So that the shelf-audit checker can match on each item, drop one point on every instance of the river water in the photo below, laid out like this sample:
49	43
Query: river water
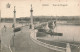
70	33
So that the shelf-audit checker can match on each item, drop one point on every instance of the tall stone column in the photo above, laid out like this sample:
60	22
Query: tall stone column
0	16
14	20
32	17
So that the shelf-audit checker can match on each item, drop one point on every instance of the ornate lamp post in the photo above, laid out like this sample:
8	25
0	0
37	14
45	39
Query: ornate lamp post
14	22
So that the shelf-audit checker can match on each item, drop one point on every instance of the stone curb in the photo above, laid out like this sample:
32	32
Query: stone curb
61	49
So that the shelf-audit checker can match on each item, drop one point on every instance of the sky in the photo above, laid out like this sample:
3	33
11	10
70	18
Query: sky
53	8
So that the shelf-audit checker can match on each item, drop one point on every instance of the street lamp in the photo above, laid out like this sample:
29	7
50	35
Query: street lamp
14	20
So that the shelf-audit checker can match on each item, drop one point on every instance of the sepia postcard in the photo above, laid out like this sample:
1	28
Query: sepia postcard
39	25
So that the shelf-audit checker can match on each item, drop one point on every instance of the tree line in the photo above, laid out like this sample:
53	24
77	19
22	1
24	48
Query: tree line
43	18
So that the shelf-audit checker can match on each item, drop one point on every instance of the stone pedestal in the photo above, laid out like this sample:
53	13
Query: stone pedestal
35	31
68	49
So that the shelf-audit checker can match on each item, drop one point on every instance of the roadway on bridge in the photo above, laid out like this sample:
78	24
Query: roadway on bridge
6	36
23	43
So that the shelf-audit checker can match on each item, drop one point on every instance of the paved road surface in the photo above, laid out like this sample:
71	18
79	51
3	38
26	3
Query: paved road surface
6	36
23	43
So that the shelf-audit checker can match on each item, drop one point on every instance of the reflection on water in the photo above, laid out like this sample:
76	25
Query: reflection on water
70	33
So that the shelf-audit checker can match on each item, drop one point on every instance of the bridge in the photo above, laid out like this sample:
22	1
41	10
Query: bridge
23	42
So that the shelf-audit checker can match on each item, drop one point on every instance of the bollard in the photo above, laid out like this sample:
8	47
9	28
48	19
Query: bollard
35	31
78	48
68	49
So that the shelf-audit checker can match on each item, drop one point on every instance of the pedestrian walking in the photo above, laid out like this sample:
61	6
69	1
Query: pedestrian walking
12	25
5	28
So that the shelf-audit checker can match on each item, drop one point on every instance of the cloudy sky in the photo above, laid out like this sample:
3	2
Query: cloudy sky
53	8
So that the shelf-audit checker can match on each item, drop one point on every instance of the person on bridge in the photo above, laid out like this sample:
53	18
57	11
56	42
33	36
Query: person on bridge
12	25
30	26
5	28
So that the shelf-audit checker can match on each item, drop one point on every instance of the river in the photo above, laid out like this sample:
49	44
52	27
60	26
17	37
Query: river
70	33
